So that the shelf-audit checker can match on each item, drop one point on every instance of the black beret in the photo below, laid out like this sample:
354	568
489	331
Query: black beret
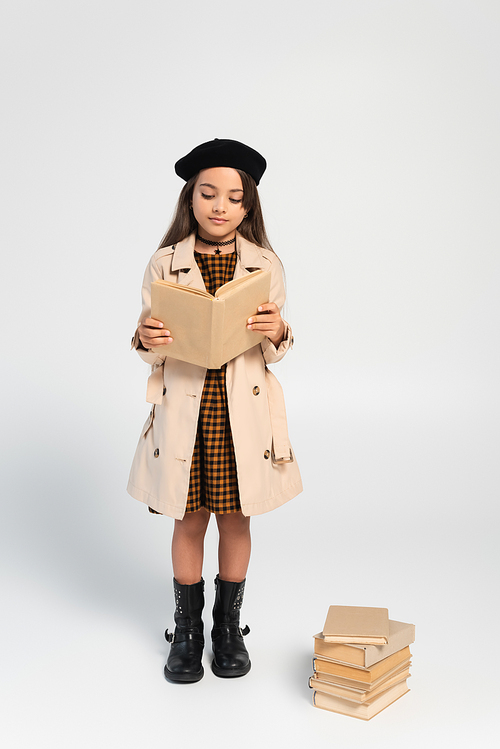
222	152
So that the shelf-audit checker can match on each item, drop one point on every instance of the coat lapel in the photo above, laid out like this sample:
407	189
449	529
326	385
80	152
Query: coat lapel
249	257
183	262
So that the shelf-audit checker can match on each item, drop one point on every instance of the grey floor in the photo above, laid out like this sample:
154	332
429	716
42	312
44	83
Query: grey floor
400	517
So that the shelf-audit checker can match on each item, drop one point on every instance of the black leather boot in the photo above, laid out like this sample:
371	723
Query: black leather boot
230	654
186	650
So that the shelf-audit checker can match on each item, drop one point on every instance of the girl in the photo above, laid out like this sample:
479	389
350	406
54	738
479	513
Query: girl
215	441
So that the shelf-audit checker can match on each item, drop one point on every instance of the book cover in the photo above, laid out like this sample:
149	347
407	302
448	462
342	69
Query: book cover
357	673
357	683
364	711
209	330
401	634
364	625
358	695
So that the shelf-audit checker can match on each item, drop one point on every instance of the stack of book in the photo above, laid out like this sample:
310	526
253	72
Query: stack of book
361	661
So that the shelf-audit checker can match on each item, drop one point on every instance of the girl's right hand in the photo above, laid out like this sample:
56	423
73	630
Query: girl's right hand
152	333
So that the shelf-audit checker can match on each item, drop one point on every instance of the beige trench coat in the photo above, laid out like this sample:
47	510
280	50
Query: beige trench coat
268	475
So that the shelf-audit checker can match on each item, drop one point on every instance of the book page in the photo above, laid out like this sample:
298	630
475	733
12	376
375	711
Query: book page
189	289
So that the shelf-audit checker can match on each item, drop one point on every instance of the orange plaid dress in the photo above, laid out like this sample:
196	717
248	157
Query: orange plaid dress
213	482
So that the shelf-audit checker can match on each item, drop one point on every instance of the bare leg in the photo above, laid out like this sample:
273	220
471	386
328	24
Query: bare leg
234	546
187	546
230	654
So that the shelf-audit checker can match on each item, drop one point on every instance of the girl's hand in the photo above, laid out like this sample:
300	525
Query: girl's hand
269	323
152	333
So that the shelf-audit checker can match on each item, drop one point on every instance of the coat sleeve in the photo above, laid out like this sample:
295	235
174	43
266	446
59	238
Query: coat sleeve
153	273
277	295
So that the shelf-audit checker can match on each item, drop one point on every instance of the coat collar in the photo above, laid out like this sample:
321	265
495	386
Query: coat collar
249	255
184	253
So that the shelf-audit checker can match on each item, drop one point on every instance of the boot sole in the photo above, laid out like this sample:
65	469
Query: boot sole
230	673
183	678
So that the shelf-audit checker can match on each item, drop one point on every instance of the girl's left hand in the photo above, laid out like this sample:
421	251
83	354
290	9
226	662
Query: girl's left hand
269	322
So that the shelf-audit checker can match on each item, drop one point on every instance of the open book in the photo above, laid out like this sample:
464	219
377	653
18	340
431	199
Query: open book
209	330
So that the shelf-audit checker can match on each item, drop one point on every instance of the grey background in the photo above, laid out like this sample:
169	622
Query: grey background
380	124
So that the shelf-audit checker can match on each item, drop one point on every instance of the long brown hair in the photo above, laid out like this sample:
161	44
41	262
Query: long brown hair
251	228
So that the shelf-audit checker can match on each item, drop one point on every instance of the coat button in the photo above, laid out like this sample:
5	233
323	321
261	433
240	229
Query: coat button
156	453
256	390
164	390
267	454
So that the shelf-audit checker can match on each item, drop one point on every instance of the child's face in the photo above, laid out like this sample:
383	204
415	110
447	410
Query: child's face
218	203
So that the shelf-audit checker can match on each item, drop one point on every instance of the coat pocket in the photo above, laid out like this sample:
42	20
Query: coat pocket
149	423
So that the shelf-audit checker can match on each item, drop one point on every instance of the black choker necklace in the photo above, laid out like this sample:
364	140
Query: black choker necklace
216	244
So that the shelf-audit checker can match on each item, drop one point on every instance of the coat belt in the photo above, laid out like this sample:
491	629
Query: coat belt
282	450
154	391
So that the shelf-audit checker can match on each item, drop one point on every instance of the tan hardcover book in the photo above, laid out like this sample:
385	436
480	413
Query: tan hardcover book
364	711
367	675
363	685
400	635
209	330
357	695
363	625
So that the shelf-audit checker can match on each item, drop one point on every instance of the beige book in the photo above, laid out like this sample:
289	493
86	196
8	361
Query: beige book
367	675
363	685
364	711
358	695
400	635
363	625
209	330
